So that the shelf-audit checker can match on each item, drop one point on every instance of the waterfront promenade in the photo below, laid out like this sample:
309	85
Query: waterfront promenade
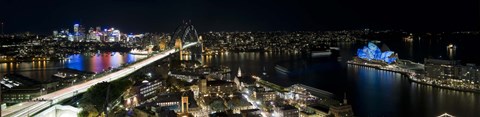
420	78
30	108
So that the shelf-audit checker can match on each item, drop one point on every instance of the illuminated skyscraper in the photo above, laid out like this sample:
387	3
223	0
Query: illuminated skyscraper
76	28
116	35
55	33
91	34
81	31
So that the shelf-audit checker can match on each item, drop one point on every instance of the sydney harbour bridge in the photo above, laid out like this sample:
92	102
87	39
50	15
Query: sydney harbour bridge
185	36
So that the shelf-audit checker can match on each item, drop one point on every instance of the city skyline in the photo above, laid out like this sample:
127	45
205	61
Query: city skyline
279	73
239	58
160	16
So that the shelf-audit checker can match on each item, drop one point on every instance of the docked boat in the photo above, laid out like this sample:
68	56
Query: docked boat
139	52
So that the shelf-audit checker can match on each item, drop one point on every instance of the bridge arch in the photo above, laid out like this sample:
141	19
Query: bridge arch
186	32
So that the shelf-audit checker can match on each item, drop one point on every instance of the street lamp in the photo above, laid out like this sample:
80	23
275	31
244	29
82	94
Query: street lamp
41	91
149	75
73	81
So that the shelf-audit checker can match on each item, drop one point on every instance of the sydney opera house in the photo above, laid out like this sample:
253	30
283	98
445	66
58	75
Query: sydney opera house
372	53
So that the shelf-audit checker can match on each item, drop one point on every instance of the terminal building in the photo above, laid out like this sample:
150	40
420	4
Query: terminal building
451	69
441	69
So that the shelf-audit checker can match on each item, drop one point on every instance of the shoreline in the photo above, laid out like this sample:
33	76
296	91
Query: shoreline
410	77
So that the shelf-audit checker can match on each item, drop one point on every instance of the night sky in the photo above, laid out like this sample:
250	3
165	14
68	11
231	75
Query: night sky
43	16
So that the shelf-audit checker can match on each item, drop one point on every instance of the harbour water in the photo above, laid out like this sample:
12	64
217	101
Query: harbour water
371	92
43	70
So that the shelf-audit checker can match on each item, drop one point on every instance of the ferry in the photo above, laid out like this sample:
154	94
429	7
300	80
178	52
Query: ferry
334	48
321	53
264	71
138	52
281	69
408	38
451	46
376	41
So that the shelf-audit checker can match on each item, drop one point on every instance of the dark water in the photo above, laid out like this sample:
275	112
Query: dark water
436	47
371	92
43	70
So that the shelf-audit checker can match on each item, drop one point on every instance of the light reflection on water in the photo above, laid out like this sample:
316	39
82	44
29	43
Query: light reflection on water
101	62
43	70
383	93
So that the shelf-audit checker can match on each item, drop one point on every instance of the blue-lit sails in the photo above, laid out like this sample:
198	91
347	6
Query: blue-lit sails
372	52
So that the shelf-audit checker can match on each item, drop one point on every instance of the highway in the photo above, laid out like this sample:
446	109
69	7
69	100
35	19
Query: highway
29	108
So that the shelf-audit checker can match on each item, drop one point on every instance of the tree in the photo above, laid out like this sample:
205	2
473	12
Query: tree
94	100
217	105
175	84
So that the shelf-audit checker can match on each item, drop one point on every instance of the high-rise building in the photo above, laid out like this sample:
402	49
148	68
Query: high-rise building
116	35
76	32
91	34
55	33
81	35
76	28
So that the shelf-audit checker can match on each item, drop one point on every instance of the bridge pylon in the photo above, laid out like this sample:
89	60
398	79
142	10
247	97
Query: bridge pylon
179	47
